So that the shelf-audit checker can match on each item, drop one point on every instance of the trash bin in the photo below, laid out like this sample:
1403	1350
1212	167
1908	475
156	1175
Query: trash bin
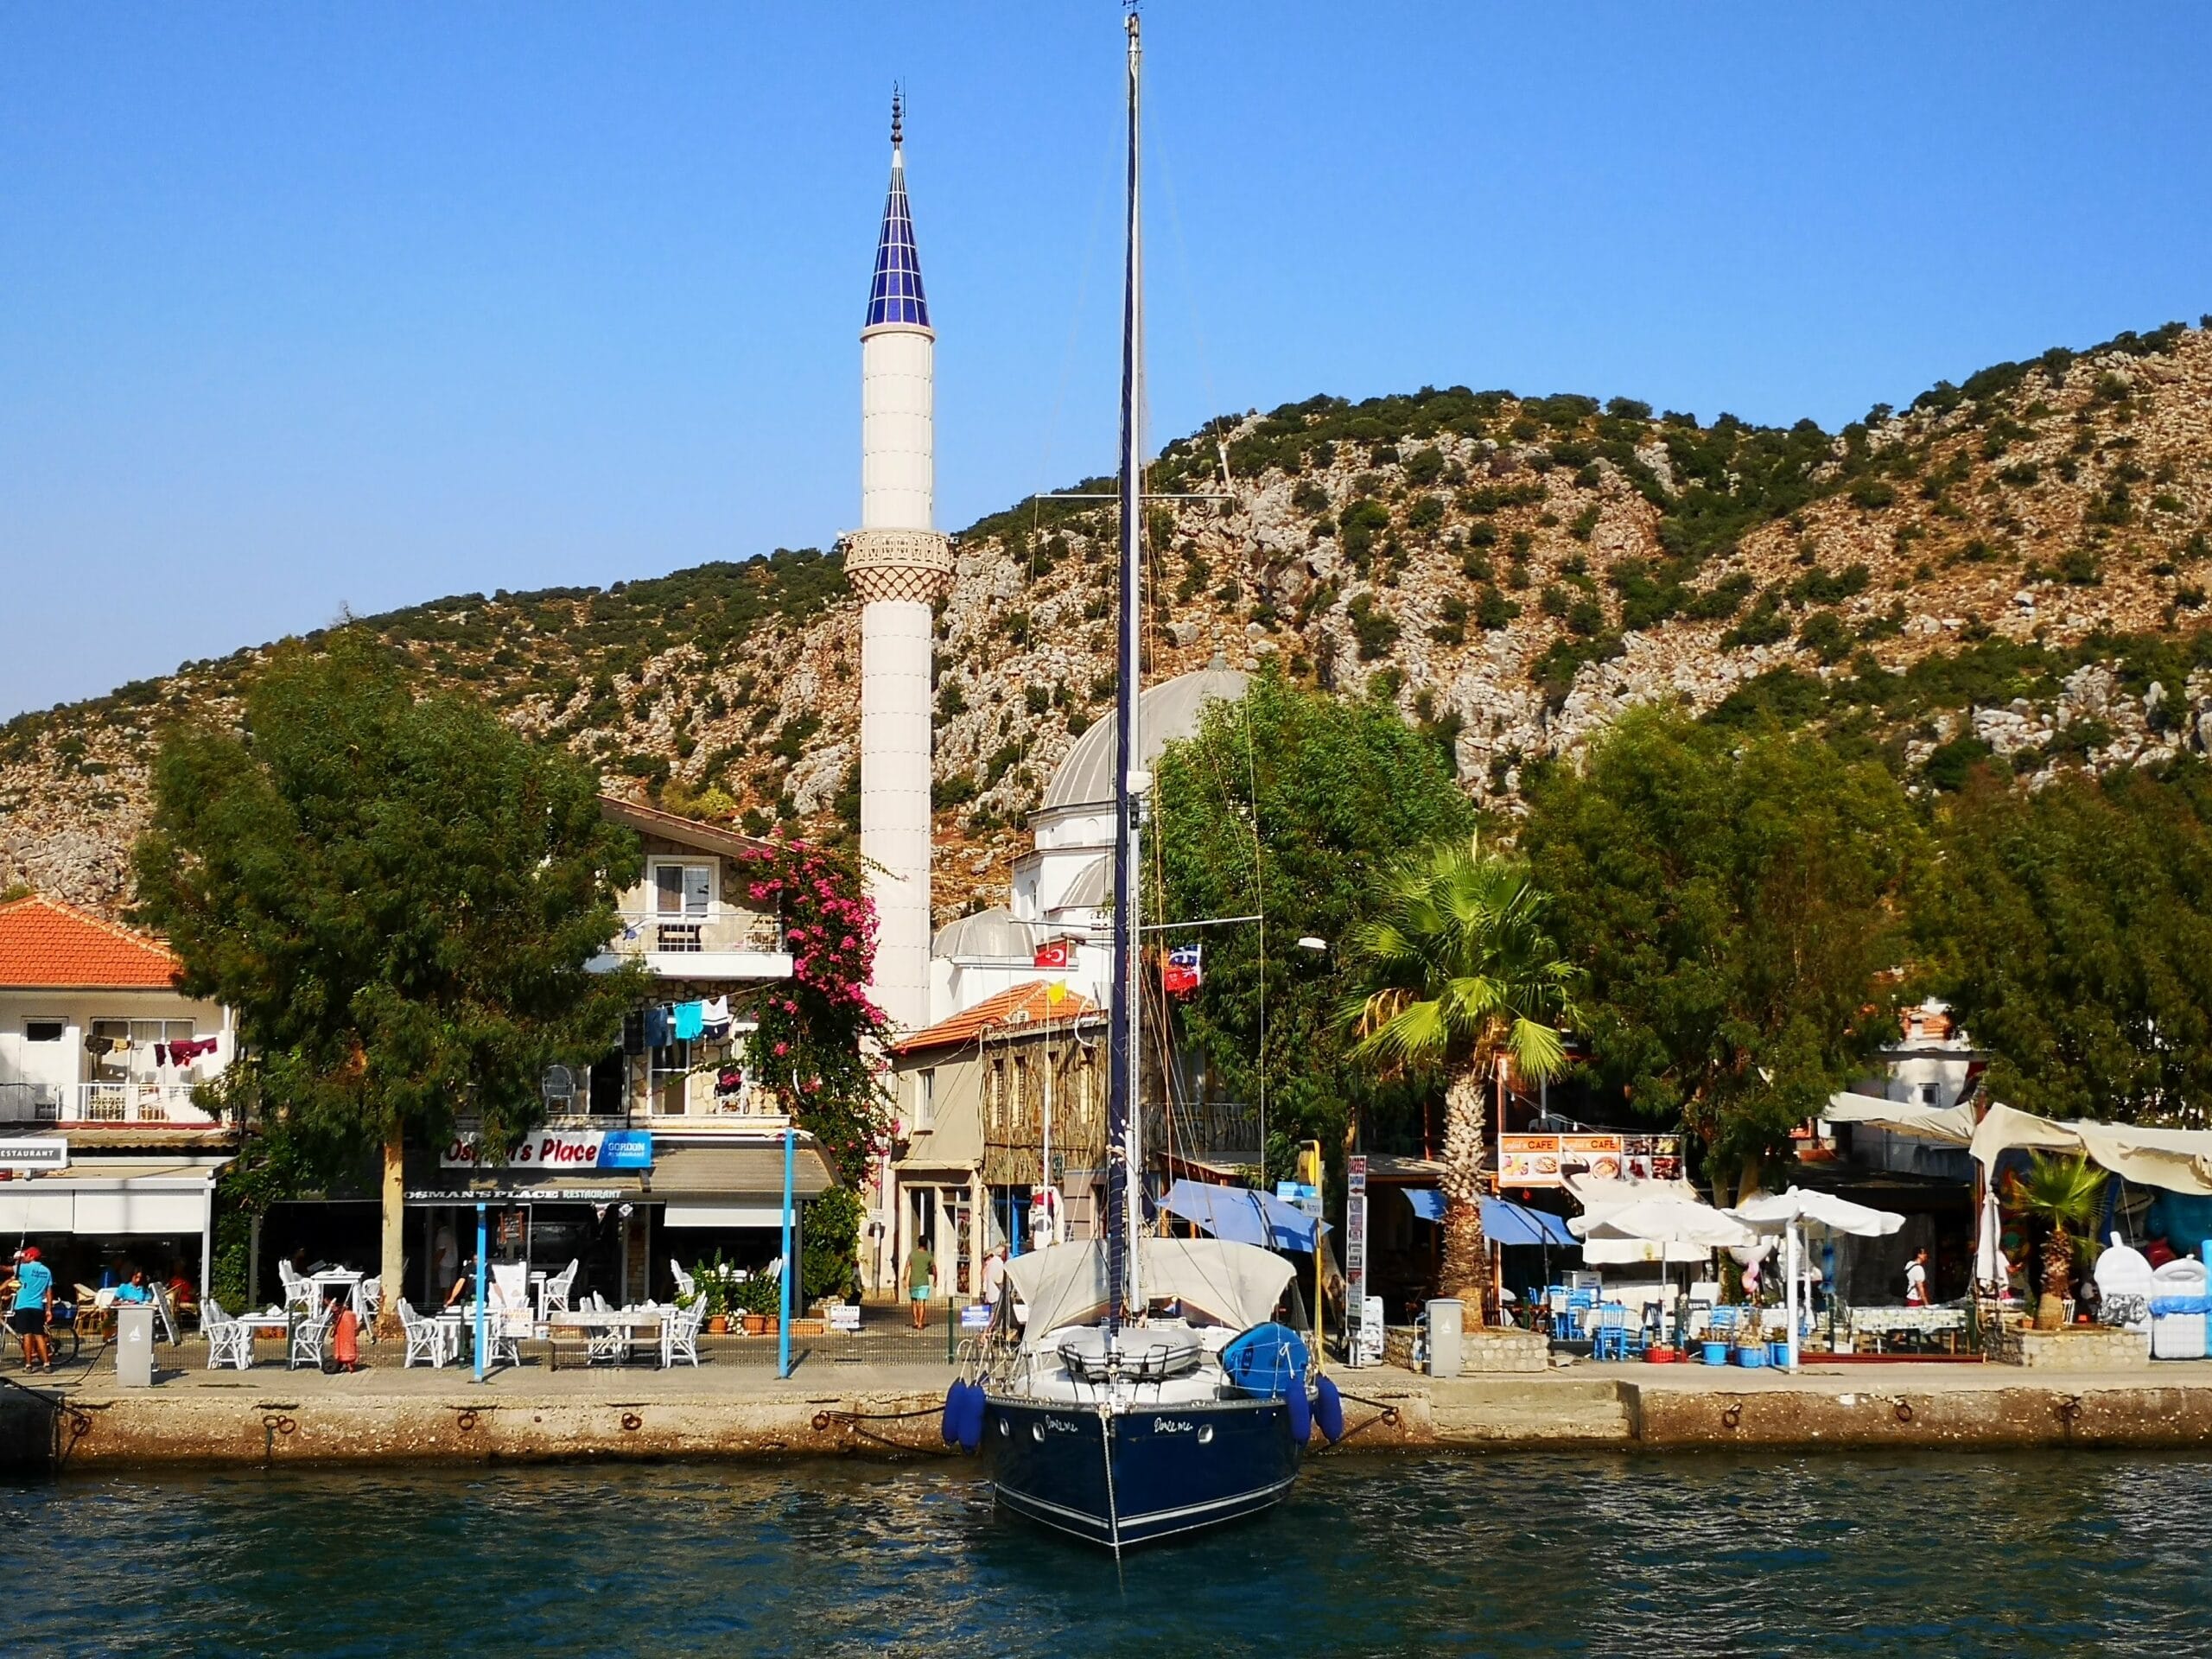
134	1344
1444	1338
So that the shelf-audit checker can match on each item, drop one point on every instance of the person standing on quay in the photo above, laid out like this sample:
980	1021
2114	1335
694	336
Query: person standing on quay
34	1308
919	1266
1915	1280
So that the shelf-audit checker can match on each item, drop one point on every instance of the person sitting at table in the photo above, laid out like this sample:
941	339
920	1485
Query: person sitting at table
182	1291
134	1289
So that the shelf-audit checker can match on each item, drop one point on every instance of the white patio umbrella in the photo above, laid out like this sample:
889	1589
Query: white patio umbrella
1796	1211
1676	1224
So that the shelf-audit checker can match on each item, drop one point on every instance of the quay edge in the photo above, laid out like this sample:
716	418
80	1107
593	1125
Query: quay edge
305	1420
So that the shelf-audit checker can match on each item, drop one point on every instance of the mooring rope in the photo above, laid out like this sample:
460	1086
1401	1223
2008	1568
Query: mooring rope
856	1422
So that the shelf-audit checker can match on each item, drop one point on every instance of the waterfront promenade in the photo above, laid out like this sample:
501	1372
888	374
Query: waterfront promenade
740	1409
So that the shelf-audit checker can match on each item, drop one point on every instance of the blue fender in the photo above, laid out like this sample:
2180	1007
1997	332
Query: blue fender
969	1424
1301	1414
1329	1410
950	1427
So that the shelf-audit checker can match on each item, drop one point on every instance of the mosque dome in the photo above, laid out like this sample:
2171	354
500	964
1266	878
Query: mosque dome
994	933
1166	713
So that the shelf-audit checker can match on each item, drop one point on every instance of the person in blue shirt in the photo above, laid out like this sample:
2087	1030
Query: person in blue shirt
136	1291
33	1304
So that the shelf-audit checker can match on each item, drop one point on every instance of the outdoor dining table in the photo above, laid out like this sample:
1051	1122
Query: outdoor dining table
279	1325
1932	1320
630	1321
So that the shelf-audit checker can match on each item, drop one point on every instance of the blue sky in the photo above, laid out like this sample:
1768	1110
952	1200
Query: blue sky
349	304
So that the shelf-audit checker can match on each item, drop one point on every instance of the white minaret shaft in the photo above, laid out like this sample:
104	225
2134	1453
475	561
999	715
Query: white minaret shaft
898	565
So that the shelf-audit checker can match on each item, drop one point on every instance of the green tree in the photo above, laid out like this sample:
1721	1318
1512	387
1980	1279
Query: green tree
1456	974
1283	805
1738	906
2072	935
397	895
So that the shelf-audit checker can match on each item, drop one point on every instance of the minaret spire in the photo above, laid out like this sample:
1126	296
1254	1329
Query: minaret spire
900	566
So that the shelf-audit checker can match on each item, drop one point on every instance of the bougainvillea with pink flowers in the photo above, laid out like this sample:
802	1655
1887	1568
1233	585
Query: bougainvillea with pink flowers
817	1029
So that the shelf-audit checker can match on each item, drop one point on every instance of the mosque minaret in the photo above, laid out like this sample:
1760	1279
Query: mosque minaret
898	565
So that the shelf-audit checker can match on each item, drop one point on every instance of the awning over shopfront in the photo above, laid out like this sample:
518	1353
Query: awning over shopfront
1503	1221
2179	1161
1952	1125
1241	1215
161	1200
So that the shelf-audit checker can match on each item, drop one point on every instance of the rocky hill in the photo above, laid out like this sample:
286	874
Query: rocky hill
2013	567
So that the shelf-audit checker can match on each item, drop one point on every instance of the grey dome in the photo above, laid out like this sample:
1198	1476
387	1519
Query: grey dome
993	932
1093	886
1167	712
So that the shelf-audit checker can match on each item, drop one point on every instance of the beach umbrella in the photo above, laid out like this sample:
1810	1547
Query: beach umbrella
1796	1211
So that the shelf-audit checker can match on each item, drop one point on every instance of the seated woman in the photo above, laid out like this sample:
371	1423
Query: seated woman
136	1289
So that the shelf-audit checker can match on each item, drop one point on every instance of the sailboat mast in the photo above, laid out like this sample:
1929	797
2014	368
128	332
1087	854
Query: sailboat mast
1124	1166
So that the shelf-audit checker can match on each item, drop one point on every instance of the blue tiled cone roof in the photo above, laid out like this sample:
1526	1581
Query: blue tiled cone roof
897	293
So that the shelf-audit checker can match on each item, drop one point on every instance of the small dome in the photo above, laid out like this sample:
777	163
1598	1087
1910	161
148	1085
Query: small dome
1093	886
1166	713
993	932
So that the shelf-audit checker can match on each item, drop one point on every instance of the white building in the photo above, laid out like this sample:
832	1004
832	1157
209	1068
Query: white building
1062	891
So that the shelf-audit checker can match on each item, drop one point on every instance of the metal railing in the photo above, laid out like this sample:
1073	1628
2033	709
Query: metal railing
726	928
103	1102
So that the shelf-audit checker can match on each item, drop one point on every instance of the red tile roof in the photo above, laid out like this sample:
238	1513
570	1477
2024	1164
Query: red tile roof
50	945
1030	1004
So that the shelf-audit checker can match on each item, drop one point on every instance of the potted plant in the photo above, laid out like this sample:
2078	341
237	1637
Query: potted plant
761	1299
2063	1194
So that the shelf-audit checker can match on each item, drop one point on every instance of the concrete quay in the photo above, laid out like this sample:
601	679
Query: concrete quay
388	1414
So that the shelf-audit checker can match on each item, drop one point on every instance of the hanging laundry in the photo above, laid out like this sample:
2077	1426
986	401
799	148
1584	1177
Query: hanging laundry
660	1029
161	1054
634	1034
691	1021
184	1052
713	1015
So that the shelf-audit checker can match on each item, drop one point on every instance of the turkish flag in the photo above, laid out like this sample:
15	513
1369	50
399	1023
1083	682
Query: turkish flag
1060	953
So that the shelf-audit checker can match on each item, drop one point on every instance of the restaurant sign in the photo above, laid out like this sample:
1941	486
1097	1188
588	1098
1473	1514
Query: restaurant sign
35	1152
1548	1160
558	1149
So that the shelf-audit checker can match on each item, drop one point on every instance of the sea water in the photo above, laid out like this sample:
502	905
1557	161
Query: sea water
1376	1554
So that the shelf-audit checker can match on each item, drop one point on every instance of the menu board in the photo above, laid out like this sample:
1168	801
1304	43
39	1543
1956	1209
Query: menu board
1548	1160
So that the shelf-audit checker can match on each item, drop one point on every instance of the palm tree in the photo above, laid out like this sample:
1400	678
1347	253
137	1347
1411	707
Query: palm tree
1456	971
2064	1192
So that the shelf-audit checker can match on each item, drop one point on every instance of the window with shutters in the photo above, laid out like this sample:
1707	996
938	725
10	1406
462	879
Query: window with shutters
684	901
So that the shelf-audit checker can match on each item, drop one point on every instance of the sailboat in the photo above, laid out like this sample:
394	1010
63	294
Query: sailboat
1151	1390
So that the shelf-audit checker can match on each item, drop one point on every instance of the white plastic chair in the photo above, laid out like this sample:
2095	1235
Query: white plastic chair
679	1335
426	1338
371	1301
686	1285
310	1338
230	1341
558	1286
298	1292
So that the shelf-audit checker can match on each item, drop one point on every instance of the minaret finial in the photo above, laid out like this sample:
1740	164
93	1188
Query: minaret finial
898	114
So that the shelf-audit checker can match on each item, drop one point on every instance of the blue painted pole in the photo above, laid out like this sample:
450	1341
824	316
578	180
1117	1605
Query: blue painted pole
480	1293
784	1324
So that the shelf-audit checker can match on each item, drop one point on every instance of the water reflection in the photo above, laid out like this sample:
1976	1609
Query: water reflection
1597	1554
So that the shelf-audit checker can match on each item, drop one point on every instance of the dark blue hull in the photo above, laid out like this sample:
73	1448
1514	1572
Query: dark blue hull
1175	1469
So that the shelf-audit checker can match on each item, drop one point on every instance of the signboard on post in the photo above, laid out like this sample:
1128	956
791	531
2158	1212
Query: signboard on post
1609	1155
1355	1257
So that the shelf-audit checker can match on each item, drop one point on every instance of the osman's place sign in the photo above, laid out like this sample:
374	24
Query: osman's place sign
558	1149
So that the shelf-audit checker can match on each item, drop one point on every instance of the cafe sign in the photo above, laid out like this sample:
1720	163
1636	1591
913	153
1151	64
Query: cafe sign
558	1150
1547	1159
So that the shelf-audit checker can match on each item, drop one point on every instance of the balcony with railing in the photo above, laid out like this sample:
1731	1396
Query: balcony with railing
723	942
104	1105
1220	1132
